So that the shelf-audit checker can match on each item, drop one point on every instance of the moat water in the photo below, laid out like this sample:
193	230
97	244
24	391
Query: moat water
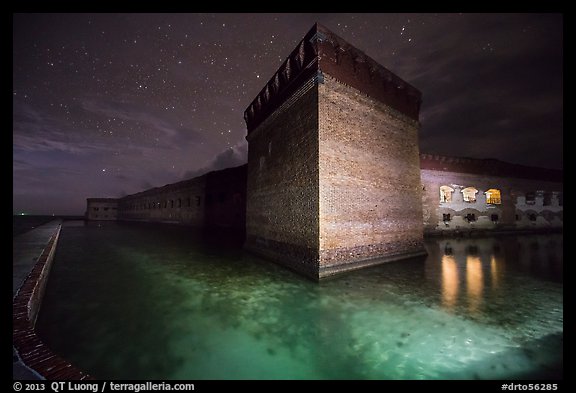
127	301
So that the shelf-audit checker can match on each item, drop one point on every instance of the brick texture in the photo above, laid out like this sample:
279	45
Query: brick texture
216	200
25	306
282	184
511	212
335	180
369	174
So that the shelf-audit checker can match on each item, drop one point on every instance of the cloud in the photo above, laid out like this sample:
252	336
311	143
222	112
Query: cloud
231	157
145	185
37	132
173	135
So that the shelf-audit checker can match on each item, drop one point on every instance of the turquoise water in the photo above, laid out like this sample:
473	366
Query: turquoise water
128	301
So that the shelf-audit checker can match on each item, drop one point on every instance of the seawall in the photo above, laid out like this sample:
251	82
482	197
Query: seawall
33	253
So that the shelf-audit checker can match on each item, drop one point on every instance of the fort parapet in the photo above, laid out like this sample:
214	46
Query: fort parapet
102	209
335	181
333	140
467	195
487	167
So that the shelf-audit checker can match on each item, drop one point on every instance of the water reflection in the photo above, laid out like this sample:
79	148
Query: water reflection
449	281
495	271
468	310
474	283
485	264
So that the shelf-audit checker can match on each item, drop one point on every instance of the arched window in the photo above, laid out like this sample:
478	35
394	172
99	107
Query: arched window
446	194
469	194
493	197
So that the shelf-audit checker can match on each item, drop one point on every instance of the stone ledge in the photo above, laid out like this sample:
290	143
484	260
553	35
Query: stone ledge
300	259
334	270
29	349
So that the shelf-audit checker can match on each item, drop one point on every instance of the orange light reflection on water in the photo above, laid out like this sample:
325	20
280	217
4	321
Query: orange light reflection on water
449	281
474	282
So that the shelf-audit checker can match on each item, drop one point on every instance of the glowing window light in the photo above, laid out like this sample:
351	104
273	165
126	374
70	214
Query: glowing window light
446	194
493	197
469	194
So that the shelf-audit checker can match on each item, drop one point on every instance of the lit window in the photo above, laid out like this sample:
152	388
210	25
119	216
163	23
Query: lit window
446	194
469	194
493	196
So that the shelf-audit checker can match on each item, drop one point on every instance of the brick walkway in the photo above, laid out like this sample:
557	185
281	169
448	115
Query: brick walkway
33	252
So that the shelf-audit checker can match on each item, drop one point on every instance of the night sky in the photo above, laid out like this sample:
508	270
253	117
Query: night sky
106	105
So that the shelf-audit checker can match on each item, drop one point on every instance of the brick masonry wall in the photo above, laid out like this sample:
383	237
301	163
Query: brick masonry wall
226	199
369	172
511	189
162	204
102	209
214	200
30	348
282	184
